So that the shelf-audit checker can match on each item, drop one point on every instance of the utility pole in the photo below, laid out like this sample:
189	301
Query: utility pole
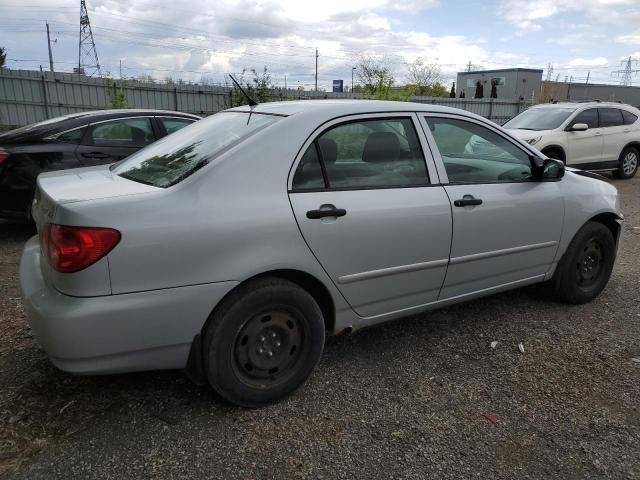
469	66
316	69
87	55
585	85
285	82
120	69
352	70
49	46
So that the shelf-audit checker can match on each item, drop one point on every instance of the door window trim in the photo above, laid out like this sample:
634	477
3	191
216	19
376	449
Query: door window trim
435	151
609	126
432	176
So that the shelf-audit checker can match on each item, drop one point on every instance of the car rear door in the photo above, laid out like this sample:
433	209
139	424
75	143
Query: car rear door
613	133
586	146
372	212
506	226
112	140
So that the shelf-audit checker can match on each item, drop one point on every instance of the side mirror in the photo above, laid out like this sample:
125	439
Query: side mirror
579	127
552	169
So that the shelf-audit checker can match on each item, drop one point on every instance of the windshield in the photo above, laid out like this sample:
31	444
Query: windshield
175	157
540	118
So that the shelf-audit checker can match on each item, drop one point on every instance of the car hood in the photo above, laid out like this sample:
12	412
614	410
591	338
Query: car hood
522	134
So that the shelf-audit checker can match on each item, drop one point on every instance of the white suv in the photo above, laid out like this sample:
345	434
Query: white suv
588	136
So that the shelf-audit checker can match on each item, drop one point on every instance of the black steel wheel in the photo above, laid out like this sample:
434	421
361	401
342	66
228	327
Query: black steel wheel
262	342
586	266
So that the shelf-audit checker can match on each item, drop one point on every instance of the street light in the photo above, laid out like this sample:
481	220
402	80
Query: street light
352	70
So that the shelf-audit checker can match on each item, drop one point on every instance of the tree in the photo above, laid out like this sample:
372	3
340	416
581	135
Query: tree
479	90
3	56
117	95
423	76
494	89
259	88
452	93
373	74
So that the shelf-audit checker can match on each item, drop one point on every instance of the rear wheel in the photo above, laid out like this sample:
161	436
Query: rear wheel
628	163
586	266
263	342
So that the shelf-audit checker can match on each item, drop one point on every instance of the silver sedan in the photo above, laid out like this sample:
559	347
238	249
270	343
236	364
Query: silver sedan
232	247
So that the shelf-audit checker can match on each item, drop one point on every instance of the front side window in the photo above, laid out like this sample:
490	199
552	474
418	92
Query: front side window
543	118
175	157
129	132
590	117
364	154
475	154
610	117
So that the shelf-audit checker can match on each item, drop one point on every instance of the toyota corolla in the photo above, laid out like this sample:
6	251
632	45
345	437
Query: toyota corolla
232	247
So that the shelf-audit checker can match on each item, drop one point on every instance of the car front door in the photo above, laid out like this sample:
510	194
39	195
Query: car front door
584	146
112	140
372	212
613	133
506	225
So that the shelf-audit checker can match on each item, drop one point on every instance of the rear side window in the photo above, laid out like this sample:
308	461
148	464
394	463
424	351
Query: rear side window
174	124
610	117
629	118
177	156
365	154
590	117
129	132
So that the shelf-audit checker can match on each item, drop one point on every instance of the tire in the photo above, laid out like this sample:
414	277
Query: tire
263	342
628	163
586	266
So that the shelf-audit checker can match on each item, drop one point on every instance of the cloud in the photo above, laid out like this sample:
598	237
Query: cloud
588	62
633	39
527	14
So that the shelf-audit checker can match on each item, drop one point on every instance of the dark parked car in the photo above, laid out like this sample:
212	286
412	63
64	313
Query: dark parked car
77	140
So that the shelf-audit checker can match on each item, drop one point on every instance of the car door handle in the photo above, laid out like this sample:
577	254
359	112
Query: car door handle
95	155
463	202
626	130
597	134
329	212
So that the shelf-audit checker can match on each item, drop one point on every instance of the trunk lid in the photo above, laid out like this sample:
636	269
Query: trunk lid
55	194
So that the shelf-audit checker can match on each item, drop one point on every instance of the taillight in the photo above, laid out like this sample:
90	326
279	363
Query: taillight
3	155
71	249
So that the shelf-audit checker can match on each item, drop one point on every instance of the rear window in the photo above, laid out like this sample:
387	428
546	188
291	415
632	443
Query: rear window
175	157
629	118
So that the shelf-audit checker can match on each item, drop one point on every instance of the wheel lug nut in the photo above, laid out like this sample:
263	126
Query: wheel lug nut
262	339
260	350
277	344
269	354
273	334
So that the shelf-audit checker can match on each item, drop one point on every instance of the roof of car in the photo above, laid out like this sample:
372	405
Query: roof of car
577	105
338	107
38	130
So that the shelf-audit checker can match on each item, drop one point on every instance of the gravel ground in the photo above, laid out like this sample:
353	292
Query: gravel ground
424	397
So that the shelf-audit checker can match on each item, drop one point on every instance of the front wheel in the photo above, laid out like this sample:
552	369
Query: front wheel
263	342
586	266
628	163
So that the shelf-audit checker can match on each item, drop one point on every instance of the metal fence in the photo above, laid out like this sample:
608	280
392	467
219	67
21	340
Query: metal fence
496	109
28	96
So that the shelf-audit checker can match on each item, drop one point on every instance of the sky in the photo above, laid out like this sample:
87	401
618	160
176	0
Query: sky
201	40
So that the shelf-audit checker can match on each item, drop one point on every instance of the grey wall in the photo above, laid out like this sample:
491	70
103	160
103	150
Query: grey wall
498	110
590	91
28	96
518	82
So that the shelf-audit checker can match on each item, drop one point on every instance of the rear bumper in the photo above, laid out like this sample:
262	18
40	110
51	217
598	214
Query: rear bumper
117	333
